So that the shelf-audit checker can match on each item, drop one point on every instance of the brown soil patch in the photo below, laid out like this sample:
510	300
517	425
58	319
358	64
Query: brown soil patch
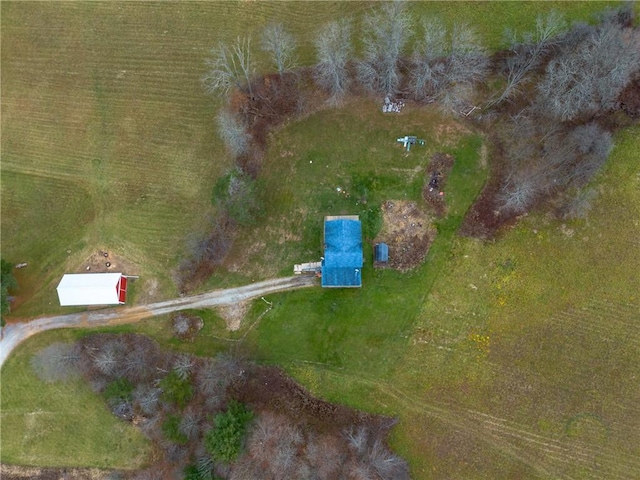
14	472
233	315
408	231
103	261
268	388
437	173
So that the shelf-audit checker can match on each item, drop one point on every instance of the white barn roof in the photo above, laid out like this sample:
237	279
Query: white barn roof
90	289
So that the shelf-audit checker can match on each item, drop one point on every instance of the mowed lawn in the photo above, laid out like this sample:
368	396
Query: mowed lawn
512	359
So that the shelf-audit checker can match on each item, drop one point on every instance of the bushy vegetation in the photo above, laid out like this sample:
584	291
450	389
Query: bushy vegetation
200	412
224	441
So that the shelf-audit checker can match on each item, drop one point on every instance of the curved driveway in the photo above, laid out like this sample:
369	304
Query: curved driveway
17	332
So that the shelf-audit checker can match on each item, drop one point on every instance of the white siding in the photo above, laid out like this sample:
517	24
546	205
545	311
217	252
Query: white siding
89	289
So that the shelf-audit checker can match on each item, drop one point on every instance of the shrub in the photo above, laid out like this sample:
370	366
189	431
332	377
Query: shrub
224	442
176	390
171	430
119	390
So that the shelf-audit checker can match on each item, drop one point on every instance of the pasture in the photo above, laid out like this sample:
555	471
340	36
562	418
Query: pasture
509	359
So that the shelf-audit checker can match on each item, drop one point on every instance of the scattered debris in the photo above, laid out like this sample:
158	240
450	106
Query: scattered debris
21	265
392	106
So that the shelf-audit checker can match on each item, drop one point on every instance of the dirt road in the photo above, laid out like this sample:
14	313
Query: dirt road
17	332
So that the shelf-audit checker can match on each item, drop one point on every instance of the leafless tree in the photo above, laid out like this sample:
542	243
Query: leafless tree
587	78
246	468
528	51
107	359
57	362
183	365
571	158
334	50
147	398
190	424
429	60
386	464
233	133
281	45
357	438
519	190
325	455
385	34
468	59
230	68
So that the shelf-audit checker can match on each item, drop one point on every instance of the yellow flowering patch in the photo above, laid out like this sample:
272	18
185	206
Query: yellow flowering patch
482	342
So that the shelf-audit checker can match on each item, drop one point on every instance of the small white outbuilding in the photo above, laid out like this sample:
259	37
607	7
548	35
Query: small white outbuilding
92	289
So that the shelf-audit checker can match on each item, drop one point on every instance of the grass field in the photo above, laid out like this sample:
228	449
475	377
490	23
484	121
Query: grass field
512	359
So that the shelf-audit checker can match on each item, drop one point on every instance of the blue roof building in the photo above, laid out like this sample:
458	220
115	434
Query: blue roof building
381	253
343	259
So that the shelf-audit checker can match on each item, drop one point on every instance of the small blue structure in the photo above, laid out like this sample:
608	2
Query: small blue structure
381	253
343	259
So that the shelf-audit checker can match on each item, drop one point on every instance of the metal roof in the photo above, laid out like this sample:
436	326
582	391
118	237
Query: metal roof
342	264
89	289
381	252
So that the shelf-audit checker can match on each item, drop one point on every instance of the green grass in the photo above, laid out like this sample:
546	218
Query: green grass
108	139
108	142
61	424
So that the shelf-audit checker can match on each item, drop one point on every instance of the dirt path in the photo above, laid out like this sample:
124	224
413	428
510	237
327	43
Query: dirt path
17	332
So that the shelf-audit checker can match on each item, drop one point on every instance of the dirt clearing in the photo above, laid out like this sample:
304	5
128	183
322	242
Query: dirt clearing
408	231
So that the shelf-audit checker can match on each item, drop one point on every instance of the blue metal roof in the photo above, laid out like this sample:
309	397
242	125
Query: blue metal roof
342	264
381	252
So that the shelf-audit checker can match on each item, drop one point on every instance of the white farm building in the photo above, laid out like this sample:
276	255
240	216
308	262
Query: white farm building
92	289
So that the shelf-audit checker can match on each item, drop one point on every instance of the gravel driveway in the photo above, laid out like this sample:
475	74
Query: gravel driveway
15	333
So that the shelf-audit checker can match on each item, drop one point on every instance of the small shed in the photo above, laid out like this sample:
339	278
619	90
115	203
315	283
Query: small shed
381	253
92	289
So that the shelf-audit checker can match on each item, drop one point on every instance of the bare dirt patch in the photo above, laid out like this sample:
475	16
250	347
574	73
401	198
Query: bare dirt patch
103	261
437	173
13	472
233	315
408	231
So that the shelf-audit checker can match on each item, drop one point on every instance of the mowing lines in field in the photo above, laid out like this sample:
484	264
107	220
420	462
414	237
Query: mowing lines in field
606	319
557	457
600	462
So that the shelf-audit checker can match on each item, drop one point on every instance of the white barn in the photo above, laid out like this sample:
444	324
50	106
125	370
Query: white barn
92	289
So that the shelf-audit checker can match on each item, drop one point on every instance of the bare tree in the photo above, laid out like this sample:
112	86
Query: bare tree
385	35
468	60
183	365
358	438
107	359
386	464
190	424
428	60
230	67
334	49
281	45
528	51
57	362
587	78
325	455
147	398
233	133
